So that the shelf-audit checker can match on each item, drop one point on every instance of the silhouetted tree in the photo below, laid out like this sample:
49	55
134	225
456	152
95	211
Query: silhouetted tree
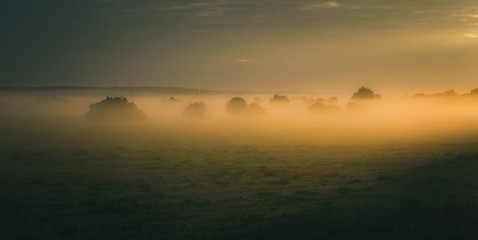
448	93
196	109
279	99
474	91
365	93
114	109
320	107
237	105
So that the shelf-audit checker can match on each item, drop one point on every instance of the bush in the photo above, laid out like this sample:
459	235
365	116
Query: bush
114	109
319	107
237	105
279	99
448	93
195	110
365	93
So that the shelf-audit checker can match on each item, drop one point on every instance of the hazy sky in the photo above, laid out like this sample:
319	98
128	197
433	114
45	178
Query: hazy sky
277	45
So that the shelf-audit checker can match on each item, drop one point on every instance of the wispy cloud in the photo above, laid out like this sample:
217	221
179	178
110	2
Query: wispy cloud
187	6
241	60
321	5
426	11
470	15
471	35
465	15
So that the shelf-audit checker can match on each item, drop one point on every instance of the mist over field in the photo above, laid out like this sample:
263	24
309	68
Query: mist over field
230	165
307	117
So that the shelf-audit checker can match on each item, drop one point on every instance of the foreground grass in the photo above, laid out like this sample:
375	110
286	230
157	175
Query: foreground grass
89	181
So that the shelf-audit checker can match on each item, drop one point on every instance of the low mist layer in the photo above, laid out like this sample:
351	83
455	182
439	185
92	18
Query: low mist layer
280	117
238	166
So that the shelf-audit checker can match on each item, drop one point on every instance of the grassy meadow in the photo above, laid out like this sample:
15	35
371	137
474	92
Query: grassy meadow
402	169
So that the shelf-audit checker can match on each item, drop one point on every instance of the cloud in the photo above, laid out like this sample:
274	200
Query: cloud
465	15
177	8
187	6
241	60
202	14
471	35
470	15
321	5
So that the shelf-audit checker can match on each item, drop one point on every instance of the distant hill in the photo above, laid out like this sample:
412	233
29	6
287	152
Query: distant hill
104	91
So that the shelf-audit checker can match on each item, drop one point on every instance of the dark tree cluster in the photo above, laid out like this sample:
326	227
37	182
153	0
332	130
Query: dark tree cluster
282	99
114	109
238	105
448	93
365	94
195	110
320	107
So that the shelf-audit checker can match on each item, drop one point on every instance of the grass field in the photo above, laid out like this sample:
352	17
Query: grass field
64	178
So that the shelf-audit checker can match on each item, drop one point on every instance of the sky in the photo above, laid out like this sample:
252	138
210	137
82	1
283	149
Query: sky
257	45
